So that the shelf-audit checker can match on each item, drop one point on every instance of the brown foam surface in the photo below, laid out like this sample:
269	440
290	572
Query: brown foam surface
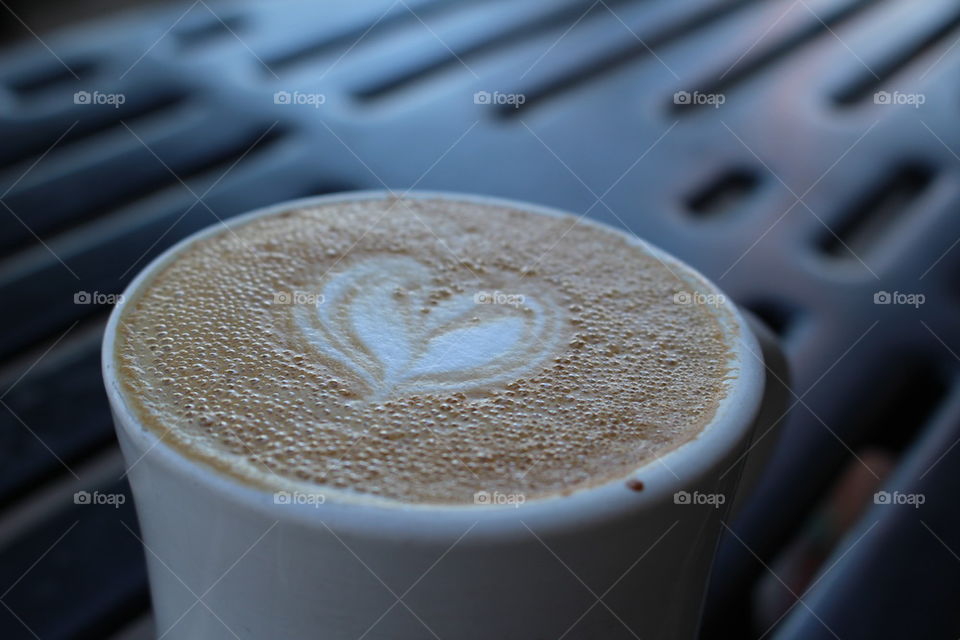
421	351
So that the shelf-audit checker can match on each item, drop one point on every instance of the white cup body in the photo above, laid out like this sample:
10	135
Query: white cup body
226	561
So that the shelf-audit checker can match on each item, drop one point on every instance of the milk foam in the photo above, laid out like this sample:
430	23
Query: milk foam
378	318
420	351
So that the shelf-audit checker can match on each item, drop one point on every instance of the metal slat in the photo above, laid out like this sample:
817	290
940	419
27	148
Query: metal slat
89	577
894	547
38	436
139	162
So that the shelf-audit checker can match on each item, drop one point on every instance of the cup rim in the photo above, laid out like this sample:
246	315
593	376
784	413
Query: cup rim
675	470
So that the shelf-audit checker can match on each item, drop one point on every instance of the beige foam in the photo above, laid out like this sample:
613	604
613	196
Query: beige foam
421	351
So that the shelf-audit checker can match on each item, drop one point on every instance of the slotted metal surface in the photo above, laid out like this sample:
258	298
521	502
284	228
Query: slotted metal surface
799	194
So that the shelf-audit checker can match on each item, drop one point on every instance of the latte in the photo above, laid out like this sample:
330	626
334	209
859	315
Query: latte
421	350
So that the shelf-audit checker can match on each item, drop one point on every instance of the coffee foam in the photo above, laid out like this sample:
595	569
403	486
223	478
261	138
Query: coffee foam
420	351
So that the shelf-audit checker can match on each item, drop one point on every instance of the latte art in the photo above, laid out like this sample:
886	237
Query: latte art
399	331
421	351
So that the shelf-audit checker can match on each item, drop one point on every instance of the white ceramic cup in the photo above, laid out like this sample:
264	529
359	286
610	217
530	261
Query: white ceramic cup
226	560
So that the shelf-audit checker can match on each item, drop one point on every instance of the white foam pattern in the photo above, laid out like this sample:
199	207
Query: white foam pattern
387	320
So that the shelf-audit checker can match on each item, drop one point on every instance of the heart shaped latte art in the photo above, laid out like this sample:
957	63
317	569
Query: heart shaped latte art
389	322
